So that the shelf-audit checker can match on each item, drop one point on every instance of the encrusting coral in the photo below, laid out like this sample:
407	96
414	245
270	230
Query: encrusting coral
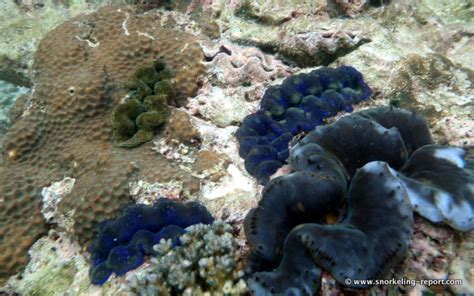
298	105
80	72
203	263
373	235
135	121
122	243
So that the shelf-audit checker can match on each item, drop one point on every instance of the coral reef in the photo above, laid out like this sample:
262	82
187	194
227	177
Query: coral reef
222	108
204	263
237	76
302	33
431	250
68	132
345	8
179	128
23	26
438	73
135	121
210	164
299	104
461	266
430	73
122	243
435	181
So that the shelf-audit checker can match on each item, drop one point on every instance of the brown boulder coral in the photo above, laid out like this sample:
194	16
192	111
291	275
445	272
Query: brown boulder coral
80	72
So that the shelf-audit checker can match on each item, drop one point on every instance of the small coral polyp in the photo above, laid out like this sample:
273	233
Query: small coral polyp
290	242
136	120
299	104
122	243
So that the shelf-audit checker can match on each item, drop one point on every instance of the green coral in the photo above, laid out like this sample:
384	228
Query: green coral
136	120
203	264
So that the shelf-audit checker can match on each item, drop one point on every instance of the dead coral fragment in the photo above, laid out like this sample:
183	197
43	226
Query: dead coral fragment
135	121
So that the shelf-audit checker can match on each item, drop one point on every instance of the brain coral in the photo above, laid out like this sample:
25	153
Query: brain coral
81	69
286	231
298	105
122	243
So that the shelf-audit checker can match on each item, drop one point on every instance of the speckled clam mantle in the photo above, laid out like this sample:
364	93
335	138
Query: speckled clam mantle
61	152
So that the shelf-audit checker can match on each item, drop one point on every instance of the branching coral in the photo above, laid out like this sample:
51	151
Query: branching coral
204	263
136	120
122	243
373	236
298	105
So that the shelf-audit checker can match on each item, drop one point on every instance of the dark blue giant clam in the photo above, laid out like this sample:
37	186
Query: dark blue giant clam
299	104
380	164
123	243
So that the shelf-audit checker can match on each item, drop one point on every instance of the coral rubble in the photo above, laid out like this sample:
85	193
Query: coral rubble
299	104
